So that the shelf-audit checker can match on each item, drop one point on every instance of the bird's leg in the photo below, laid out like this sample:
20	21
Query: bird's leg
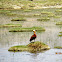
34	40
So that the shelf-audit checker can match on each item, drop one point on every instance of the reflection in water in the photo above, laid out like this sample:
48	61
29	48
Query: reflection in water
46	56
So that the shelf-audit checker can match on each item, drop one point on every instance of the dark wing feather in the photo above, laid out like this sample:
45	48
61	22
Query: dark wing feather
32	37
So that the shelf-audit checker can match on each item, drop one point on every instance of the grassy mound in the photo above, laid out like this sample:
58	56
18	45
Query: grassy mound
32	47
27	29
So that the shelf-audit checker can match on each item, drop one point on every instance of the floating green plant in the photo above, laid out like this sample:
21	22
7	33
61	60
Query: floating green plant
11	14
31	5
58	47
57	16
51	15
60	32
60	35
19	19
58	10
59	23
45	12
43	19
11	25
27	10
27	29
4	11
31	47
36	15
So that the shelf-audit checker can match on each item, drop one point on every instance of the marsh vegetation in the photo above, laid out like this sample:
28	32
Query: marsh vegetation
49	12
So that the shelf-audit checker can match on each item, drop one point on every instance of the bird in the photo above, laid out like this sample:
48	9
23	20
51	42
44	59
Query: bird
33	37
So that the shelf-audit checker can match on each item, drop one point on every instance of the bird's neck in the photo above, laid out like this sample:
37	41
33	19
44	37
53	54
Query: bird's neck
34	32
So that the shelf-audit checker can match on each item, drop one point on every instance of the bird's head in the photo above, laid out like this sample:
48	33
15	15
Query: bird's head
34	31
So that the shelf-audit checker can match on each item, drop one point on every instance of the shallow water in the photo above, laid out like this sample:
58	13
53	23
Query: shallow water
45	56
49	37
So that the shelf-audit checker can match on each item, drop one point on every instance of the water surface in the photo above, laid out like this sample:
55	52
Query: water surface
49	37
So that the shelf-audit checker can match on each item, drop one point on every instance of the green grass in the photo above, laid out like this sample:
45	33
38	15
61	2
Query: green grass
57	16
51	15
27	10
19	19
21	46
4	11
27	29
45	12
60	32
58	10
36	15
58	47
11	25
43	19
59	23
11	14
60	35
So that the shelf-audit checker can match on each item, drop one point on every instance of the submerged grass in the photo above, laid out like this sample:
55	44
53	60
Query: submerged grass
31	47
27	29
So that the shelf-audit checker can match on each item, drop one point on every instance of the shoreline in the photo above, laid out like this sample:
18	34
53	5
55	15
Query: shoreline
36	7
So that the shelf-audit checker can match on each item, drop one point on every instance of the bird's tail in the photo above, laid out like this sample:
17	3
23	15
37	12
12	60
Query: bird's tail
30	40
